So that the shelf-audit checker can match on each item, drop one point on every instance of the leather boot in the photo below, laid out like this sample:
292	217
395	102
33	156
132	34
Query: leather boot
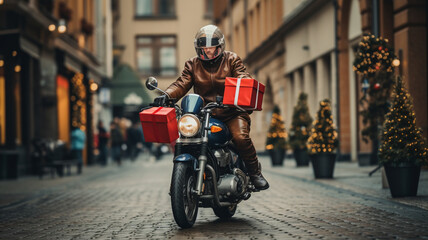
256	176
259	182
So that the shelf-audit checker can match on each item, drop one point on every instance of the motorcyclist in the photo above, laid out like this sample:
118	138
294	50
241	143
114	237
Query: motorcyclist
206	73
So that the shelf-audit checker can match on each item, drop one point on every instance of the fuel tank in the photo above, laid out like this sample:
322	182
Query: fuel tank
218	139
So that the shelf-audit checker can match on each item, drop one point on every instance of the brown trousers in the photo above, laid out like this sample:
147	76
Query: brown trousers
239	126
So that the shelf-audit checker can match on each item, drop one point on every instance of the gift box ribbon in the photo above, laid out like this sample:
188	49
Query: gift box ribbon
238	86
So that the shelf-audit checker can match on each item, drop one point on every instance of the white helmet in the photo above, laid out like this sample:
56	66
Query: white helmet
209	36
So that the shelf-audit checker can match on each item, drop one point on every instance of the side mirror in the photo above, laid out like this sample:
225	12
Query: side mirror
151	83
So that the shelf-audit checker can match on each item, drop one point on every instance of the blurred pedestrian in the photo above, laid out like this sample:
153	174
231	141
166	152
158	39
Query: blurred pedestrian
103	137
135	140
116	141
78	139
123	125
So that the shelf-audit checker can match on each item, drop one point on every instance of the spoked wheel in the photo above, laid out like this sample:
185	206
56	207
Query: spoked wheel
184	202
225	212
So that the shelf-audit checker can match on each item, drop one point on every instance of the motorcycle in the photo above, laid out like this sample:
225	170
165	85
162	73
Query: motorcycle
207	170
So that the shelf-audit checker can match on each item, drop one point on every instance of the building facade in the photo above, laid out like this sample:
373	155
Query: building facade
293	46
53	57
155	38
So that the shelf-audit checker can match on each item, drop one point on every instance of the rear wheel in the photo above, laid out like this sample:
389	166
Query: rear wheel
184	202
225	212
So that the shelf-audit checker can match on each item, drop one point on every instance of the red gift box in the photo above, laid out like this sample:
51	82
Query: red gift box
246	93
159	124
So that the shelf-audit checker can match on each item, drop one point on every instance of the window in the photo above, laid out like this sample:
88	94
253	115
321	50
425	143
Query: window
154	8
208	9
156	55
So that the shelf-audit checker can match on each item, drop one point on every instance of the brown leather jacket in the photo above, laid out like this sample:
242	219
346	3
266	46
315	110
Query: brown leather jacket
207	79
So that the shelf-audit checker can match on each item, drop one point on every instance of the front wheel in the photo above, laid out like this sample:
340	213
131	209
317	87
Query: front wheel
184	202
225	212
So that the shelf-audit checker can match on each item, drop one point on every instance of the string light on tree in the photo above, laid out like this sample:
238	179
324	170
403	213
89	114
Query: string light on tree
402	140
301	124
276	135
78	100
324	135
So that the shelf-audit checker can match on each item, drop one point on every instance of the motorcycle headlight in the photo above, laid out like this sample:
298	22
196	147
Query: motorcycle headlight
188	125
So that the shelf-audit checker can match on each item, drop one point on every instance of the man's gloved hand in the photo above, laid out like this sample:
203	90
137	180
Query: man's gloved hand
160	101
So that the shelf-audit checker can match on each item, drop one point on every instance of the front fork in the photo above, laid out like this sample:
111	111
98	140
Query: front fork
203	157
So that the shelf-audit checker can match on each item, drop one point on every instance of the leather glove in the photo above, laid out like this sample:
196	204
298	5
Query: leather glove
160	101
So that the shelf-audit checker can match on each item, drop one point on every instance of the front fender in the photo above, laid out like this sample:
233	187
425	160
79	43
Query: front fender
185	157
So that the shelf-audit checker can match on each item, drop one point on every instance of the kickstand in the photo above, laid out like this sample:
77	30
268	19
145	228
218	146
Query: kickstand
374	170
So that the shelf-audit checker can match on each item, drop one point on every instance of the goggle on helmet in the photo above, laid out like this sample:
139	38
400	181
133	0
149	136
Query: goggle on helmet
209	36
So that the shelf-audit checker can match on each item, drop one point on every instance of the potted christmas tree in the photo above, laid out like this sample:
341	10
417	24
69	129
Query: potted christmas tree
275	142
299	131
323	142
402	151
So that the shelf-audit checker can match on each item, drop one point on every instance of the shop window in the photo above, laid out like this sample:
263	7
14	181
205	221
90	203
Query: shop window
154	8
208	9
156	55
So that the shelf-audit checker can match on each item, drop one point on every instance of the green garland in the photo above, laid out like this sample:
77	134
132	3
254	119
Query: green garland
374	62
374	54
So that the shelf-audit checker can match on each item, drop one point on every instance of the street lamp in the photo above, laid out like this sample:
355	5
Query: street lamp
62	26
93	86
396	62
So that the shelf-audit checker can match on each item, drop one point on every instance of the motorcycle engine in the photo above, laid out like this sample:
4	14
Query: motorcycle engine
224	156
232	185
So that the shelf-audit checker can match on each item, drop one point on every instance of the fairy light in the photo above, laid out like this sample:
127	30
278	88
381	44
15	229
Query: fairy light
78	99
373	55
401	134
277	134
324	136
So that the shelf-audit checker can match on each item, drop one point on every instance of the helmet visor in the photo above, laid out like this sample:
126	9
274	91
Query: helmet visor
207	42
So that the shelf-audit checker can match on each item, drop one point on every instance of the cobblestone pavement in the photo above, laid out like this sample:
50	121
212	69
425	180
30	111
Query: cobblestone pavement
132	202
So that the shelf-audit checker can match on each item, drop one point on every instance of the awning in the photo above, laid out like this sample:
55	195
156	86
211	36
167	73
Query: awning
127	89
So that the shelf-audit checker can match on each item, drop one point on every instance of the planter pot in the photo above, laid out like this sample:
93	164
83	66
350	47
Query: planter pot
323	164
277	156
403	179
301	156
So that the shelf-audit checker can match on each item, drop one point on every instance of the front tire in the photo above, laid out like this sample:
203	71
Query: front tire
184	202
225	212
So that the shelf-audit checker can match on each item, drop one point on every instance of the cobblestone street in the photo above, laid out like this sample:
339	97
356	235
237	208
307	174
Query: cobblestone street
132	202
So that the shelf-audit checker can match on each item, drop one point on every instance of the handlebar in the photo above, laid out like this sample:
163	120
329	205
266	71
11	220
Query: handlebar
171	102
